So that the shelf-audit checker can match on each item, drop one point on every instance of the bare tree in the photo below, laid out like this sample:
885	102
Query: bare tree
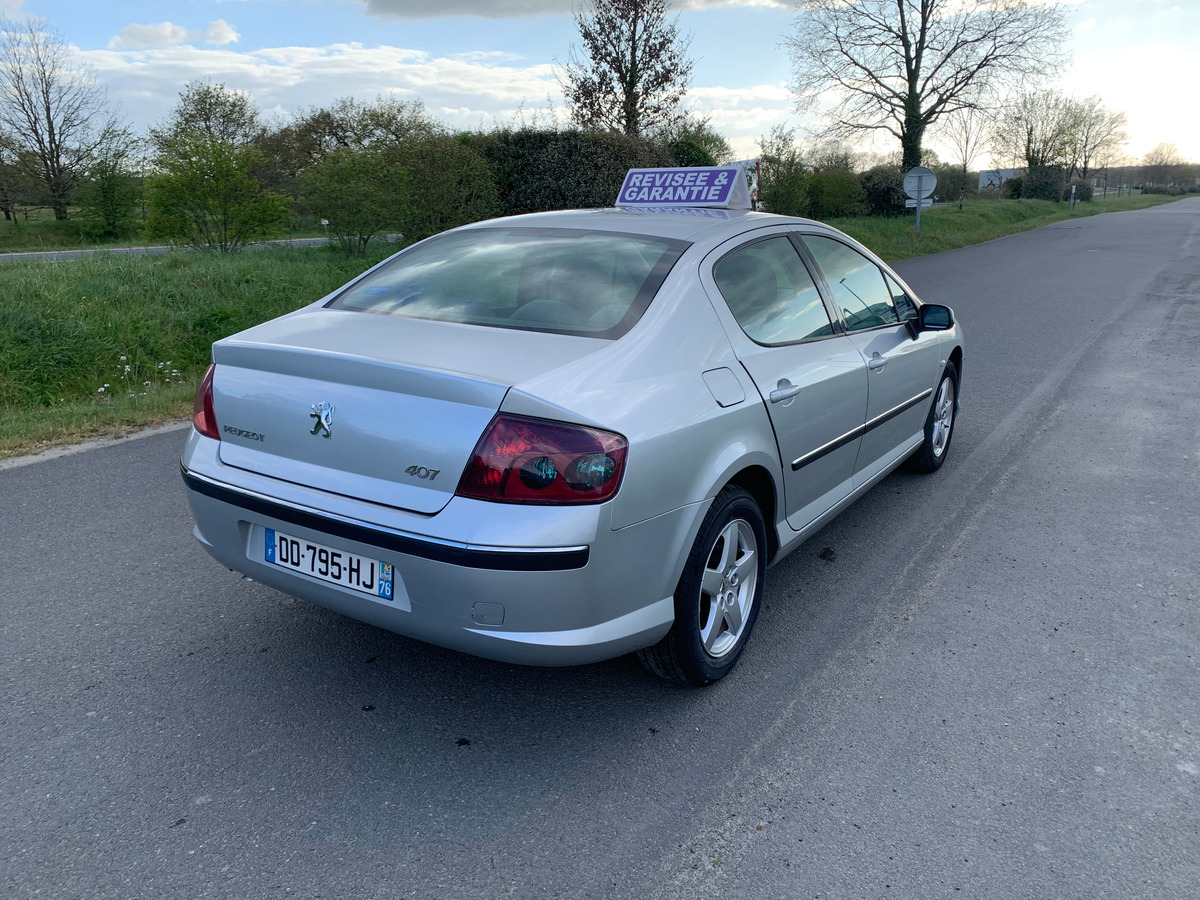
968	131
900	65
1101	134
633	71
55	112
1161	163
1038	129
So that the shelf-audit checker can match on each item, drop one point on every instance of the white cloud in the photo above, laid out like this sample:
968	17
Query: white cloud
11	9
220	32
734	97
1086	25
162	34
147	81
166	34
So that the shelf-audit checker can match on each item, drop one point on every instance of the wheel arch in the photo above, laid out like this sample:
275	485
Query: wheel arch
761	486
956	357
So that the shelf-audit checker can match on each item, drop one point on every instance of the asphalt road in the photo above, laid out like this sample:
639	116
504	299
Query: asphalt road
981	683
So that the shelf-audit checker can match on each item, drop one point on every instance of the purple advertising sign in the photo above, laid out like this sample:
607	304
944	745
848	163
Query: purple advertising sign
722	187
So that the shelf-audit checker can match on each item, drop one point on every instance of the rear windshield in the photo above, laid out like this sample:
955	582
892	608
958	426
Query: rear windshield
535	279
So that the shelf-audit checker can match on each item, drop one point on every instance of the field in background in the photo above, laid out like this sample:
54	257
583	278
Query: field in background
109	342
40	231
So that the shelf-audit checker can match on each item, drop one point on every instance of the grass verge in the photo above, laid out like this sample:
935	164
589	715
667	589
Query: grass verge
109	342
948	227
97	345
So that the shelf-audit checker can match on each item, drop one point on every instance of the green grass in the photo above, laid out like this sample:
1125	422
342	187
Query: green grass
69	329
947	227
99	344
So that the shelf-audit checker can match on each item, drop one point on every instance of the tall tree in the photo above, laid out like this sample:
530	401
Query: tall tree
55	112
633	71
900	65
208	111
206	192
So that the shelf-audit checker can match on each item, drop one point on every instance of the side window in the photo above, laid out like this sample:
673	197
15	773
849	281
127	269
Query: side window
857	284
771	294
905	308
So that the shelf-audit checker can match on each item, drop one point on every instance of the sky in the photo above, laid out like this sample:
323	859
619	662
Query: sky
476	63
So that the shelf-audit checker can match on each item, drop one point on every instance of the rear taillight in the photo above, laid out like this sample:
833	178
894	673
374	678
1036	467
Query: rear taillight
203	416
521	460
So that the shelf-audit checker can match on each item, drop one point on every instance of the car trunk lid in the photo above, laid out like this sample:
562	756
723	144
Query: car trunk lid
380	408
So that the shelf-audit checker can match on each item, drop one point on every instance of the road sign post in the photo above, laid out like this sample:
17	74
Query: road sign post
919	183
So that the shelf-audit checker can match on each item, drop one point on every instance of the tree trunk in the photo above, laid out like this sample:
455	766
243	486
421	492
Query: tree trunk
912	132
910	143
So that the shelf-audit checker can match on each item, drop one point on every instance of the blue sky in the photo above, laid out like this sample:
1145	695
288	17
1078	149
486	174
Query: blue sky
475	62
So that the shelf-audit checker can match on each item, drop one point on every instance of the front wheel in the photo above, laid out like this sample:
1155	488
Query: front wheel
939	424
719	593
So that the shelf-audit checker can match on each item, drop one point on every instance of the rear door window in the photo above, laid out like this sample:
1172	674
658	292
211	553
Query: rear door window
771	294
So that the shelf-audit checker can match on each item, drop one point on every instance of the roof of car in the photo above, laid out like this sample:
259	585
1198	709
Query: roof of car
683	223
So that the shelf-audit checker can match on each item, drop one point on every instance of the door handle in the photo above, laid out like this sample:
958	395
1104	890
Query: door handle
785	391
876	362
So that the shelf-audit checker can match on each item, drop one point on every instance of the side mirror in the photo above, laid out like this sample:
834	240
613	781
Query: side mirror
936	318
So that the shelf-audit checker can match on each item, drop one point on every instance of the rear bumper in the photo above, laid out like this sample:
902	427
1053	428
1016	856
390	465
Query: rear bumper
599	594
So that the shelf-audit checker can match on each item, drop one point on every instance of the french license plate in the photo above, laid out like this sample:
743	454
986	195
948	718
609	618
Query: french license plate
359	573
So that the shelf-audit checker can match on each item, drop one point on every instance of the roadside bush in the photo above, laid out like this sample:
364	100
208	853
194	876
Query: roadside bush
834	193
449	184
1013	189
207	197
1083	190
540	169
883	190
1044	183
361	192
951	183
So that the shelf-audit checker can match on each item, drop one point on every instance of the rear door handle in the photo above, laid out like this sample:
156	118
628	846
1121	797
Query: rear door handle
785	391
876	362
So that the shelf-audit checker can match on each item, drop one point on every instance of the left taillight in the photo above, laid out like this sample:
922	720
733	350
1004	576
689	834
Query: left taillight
523	460
203	416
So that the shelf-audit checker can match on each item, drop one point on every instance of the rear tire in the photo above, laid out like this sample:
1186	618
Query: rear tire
719	594
939	424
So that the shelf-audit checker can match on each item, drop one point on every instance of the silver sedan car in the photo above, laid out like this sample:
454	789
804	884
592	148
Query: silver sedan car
558	438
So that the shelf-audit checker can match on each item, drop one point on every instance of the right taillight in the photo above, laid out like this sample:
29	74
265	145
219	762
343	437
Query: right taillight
522	460
203	416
